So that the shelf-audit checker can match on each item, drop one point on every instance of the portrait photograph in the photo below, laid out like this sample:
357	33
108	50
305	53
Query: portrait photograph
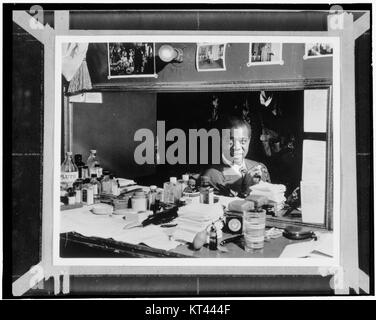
131	60
317	50
265	53
211	57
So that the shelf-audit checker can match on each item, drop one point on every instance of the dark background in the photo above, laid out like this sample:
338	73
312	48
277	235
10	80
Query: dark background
24	89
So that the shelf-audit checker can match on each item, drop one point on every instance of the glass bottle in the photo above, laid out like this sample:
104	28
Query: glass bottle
206	192
98	170
69	171
152	197
213	241
77	187
79	163
87	192
114	186
171	191
92	161
183	183
106	183
96	187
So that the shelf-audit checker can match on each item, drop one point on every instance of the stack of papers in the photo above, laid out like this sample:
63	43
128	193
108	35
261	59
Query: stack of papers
125	182
274	192
194	218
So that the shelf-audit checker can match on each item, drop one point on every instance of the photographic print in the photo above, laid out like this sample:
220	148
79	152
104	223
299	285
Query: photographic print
142	164
211	57
317	50
265	53
131	60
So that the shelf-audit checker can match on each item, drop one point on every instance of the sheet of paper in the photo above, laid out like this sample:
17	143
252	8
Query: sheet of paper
298	250
315	110
314	161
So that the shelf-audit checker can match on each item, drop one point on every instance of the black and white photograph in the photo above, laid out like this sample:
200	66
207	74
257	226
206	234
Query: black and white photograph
211	57
264	53
317	50
139	171
131	60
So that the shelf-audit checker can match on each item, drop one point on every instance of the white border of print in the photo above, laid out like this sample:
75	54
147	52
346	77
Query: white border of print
306	56
279	61
154	75
211	44
195	265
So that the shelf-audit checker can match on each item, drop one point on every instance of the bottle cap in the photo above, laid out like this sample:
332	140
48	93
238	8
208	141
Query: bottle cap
185	177
93	151
86	167
97	165
173	179
93	175
106	172
153	187
111	176
69	153
87	180
78	156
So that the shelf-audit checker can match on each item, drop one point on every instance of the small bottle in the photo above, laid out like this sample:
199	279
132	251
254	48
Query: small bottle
85	172
77	187
96	187
71	196
98	169
206	192
213	241
106	183
87	192
114	186
191	187
190	193
69	171
92	161
171	191
79	163
152	196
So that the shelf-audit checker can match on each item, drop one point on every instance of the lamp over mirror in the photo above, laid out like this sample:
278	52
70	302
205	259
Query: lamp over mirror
167	53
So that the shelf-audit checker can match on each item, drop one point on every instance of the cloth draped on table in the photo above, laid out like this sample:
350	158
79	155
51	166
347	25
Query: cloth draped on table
74	67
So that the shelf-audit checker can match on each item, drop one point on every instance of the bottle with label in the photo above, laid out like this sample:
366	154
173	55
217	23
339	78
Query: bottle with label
152	196
71	196
79	163
96	187
115	190
190	193
69	171
85	172
92	161
77	187
206	191
106	183
213	241
87	192
172	191
98	169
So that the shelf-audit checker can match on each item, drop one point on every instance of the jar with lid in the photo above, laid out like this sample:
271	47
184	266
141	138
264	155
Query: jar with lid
139	201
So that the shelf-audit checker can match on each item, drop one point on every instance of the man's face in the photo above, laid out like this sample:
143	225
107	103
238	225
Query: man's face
235	145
